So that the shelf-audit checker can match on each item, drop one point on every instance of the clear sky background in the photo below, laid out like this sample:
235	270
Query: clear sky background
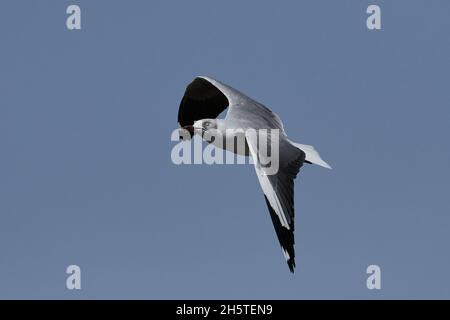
86	176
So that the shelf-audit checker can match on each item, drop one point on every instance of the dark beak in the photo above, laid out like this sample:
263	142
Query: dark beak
190	129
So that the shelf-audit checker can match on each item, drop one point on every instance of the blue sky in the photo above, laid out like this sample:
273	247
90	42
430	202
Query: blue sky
86	176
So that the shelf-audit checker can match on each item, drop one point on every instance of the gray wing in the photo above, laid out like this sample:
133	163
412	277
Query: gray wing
278	191
201	100
206	98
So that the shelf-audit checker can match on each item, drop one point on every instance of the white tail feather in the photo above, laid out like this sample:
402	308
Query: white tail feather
312	155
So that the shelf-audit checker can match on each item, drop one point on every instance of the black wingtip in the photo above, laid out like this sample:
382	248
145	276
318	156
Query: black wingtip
291	265
285	237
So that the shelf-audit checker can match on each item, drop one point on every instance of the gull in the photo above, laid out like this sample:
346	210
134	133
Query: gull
204	100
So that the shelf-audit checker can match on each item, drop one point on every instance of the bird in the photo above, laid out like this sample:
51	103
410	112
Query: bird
204	100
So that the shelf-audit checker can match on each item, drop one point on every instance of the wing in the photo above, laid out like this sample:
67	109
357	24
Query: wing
278	191
206	98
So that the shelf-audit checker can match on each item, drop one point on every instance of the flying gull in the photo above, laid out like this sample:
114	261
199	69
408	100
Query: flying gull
203	101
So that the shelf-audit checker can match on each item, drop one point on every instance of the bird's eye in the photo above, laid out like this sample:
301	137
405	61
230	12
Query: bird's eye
206	124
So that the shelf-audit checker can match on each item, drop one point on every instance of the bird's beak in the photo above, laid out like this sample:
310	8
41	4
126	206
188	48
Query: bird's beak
189	128
192	129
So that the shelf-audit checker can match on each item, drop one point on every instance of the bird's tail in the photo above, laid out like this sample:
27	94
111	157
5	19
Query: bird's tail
311	155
